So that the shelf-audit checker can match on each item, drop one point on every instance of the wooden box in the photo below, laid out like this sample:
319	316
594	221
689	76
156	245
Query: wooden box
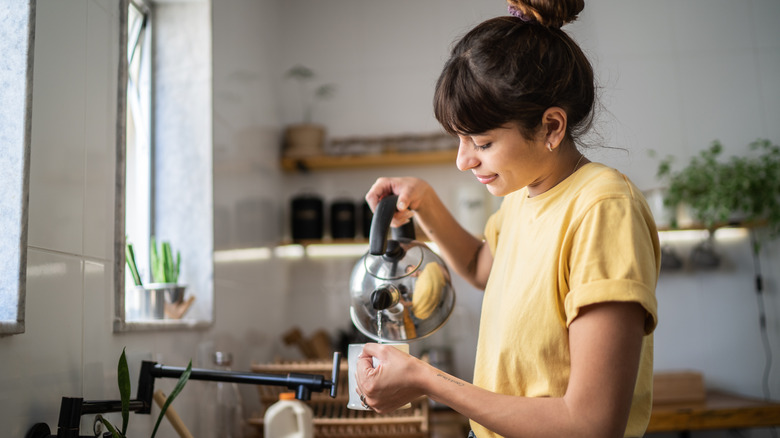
678	387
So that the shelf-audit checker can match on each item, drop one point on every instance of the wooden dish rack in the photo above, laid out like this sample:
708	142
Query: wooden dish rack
332	419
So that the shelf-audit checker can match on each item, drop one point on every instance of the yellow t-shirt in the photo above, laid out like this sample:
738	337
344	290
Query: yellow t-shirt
590	239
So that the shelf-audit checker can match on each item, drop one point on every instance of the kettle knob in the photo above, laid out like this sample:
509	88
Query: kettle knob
384	297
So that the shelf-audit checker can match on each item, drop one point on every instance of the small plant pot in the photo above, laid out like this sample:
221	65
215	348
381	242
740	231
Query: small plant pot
143	303
303	140
174	293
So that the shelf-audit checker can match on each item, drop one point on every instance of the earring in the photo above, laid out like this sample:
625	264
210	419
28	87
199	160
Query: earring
549	147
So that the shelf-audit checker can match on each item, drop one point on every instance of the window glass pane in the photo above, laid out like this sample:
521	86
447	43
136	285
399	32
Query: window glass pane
138	138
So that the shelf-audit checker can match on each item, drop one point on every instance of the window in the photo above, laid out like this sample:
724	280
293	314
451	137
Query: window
164	150
138	152
16	31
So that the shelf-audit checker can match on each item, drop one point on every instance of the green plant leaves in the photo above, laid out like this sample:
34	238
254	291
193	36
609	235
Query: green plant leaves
300	73
185	376
165	269
717	190
130	259
114	433
123	380
303	75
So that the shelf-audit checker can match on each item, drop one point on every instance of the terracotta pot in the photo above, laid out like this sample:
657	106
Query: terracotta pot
303	140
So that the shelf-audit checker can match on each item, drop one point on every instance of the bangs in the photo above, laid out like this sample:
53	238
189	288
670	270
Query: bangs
464	104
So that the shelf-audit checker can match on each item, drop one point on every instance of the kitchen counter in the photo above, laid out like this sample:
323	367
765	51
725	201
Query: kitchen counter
719	410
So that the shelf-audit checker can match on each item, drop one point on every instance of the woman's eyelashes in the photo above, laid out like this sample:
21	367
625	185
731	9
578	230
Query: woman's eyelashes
482	147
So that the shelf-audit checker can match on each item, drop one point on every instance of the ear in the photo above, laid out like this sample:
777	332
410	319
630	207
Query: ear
554	125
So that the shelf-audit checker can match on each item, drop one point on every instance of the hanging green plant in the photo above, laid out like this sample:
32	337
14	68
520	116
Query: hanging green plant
743	189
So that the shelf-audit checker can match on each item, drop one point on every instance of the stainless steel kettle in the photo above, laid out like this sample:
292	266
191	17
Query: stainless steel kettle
400	289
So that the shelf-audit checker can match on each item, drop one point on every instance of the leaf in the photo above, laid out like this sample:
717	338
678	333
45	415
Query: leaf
130	259
325	91
300	73
176	390
166	262
177	267
154	259
114	433
123	379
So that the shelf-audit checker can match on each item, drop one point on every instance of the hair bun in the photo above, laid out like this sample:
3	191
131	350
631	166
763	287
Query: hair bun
550	13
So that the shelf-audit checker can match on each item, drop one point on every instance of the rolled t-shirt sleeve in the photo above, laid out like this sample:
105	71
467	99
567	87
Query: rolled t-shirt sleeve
614	257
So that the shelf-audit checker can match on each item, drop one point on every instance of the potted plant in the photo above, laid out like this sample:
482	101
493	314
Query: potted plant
742	189
306	138
123	381
164	295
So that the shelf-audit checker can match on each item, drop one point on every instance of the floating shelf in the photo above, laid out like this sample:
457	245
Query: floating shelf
325	162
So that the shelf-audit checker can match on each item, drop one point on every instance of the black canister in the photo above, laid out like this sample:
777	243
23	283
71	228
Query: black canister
342	219
307	217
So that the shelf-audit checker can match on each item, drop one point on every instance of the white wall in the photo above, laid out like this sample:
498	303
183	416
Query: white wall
696	71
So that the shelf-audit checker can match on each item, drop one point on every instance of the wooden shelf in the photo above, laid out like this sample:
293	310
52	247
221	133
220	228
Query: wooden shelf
325	162
702	227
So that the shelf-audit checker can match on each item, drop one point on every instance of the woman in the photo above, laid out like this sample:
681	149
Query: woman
570	261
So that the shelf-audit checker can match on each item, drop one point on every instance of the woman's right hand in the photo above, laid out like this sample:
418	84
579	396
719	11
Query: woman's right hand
411	192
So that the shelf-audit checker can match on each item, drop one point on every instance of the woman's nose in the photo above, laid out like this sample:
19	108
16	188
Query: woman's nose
466	158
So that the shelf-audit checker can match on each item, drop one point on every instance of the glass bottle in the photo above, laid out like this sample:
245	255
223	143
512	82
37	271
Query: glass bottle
222	414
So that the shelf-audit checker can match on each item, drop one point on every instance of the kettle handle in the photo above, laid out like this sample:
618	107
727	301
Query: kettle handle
380	224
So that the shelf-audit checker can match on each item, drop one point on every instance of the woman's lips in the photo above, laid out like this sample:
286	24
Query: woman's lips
486	179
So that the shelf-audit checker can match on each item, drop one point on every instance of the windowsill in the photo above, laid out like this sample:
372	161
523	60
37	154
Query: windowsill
160	325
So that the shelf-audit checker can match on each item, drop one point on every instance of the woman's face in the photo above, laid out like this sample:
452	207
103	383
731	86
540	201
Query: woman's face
505	161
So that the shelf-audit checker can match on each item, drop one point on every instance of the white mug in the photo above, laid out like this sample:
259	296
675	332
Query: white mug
352	356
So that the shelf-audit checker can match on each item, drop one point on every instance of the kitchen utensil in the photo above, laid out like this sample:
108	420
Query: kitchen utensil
400	289
172	415
317	346
177	310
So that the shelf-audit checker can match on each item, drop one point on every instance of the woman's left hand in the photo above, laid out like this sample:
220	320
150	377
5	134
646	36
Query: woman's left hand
391	384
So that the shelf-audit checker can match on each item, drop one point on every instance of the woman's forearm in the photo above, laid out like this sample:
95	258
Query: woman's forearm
511	416
461	250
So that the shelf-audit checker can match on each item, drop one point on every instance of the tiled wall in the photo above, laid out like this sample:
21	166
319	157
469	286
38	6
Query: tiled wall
682	75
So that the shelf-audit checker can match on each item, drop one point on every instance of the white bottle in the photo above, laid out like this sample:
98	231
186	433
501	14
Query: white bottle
222	413
288	418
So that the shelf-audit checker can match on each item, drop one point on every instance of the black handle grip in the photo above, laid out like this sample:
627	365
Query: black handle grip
380	224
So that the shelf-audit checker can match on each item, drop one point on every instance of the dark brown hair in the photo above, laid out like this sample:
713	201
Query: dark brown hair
509	70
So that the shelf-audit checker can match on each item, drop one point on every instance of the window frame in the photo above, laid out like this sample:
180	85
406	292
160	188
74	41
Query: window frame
177	205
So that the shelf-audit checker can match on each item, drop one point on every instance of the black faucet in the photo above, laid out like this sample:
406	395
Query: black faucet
72	408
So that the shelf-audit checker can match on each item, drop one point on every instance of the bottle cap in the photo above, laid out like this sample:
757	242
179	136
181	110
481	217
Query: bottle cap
287	396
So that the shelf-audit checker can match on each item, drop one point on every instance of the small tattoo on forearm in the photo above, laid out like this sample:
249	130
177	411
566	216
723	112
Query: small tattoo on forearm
450	379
